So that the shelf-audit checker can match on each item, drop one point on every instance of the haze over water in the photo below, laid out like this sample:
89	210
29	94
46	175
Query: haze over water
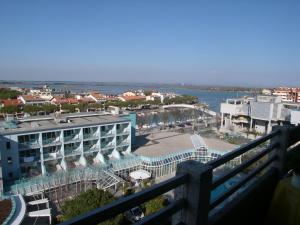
212	98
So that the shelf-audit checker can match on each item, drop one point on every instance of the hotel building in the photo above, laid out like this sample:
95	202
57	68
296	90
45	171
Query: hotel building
44	145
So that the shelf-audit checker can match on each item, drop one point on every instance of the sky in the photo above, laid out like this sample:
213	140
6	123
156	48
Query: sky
243	43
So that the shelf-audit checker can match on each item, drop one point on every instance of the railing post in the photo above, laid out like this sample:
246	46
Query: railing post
196	192
281	150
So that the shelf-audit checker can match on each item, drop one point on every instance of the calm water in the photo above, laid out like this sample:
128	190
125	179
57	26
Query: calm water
213	99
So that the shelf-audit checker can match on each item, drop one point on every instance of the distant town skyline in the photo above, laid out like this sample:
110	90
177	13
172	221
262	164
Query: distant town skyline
249	44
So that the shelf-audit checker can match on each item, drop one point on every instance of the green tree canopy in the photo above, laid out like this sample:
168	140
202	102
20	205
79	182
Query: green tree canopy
88	201
49	108
31	109
6	93
10	109
69	107
155	204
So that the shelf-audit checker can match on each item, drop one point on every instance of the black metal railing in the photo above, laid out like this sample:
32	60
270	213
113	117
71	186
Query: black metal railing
194	183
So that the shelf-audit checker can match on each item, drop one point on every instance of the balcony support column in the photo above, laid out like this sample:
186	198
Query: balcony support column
281	150
43	168
196	192
222	120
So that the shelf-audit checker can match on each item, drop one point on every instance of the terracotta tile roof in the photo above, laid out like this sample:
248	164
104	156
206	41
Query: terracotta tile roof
87	100
62	100
8	102
97	95
32	98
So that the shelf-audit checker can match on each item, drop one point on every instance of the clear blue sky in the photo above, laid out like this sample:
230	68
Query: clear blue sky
199	42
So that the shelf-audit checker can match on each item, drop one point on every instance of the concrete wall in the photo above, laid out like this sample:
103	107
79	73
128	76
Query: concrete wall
295	117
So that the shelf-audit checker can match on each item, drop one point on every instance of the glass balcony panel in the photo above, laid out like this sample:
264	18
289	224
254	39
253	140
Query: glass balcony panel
91	136
72	137
29	144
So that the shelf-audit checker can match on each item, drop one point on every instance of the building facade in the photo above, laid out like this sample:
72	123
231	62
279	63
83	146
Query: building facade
45	145
257	114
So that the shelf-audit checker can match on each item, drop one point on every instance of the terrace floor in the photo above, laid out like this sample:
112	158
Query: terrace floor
163	143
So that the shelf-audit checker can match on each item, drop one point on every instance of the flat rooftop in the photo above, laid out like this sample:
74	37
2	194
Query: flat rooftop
50	122
163	143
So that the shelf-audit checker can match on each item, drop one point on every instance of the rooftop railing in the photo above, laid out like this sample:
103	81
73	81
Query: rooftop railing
194	183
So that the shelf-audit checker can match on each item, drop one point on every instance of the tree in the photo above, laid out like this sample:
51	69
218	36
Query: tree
155	204
86	202
48	108
69	107
6	93
10	109
147	93
31	109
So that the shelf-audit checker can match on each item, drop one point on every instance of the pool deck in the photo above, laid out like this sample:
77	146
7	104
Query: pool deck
163	143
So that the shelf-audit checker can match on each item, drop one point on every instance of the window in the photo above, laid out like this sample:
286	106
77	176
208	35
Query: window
8	145
9	160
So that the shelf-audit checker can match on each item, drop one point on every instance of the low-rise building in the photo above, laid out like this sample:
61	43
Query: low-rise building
32	100
11	102
58	100
288	94
97	97
36	146
131	98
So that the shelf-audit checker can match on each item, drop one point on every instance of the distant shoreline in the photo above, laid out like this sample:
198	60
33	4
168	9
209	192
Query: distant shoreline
212	88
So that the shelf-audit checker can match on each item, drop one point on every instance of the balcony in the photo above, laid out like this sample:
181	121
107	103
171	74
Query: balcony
123	129
91	136
90	146
29	159
106	145
108	133
194	183
122	142
29	144
71	138
72	149
52	155
51	141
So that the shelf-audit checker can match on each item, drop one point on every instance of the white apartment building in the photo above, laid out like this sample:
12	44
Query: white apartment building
41	145
255	114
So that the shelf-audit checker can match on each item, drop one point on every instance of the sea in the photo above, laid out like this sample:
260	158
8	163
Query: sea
212	98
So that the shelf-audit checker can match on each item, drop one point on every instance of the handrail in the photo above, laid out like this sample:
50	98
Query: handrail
244	180
231	155
126	203
244	165
164	213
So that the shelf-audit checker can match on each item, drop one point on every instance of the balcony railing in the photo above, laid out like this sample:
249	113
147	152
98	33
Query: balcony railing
72	151
52	155
107	133
194	183
124	130
29	159
107	145
51	141
122	142
90	136
70	138
90	148
29	144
